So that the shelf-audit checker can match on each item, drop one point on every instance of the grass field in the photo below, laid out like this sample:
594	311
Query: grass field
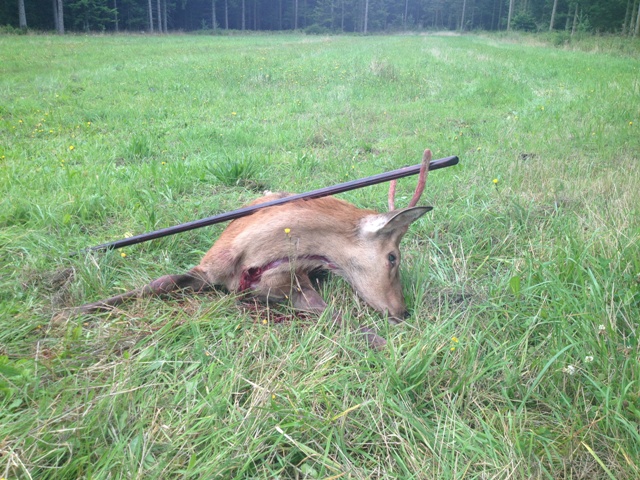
520	359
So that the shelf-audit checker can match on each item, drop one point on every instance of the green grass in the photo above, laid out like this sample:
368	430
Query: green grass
521	357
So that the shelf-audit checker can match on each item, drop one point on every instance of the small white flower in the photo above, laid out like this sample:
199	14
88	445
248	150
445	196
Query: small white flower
569	370
601	328
588	359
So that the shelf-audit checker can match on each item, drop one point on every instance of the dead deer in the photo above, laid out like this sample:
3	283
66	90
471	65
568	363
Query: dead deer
271	254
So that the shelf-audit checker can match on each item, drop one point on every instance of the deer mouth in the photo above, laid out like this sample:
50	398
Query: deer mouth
395	319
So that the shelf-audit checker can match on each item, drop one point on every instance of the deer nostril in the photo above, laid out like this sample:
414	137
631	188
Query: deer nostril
406	314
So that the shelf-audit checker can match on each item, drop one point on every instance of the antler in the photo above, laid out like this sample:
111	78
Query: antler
392	195
422	180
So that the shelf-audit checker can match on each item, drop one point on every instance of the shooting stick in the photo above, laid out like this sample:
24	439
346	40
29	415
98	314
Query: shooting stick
243	212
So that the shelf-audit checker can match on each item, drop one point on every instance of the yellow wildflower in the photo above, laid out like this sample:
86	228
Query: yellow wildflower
287	231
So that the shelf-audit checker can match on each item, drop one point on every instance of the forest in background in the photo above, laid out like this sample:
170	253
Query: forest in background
320	16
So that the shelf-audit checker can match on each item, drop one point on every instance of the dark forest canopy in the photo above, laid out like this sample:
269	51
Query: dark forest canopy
321	16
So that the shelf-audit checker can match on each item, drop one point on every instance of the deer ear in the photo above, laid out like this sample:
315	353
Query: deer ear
389	223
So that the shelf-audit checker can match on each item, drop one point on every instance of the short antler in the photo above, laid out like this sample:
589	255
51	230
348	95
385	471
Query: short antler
422	180
392	195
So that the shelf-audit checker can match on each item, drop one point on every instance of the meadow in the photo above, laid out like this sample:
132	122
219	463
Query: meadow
520	359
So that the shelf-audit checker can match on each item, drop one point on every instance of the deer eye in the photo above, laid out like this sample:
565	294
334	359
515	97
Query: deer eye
392	259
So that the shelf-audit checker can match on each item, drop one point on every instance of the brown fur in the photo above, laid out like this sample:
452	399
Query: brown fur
271	253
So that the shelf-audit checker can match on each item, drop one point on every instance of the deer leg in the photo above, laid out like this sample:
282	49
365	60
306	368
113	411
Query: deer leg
194	280
279	288
305	298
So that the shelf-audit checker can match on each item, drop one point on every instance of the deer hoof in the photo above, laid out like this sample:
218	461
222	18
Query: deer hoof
374	340
61	318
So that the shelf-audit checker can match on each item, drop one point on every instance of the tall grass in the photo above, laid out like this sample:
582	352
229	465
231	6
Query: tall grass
520	359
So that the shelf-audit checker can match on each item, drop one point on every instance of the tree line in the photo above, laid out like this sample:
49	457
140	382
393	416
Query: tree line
321	16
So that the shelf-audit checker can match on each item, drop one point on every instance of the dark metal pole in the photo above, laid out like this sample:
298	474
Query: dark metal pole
243	212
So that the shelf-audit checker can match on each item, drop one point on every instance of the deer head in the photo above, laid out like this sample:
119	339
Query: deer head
374	266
